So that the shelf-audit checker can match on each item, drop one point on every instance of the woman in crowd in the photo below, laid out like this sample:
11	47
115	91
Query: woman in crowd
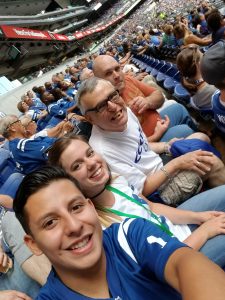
188	63
186	37
114	200
168	37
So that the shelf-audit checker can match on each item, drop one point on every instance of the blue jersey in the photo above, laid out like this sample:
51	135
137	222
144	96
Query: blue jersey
38	104
59	108
219	111
30	154
136	252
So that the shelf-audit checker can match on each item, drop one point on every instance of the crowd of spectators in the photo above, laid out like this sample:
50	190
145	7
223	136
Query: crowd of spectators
117	8
48	114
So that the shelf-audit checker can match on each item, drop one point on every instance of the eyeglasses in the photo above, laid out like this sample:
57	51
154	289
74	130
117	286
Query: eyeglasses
30	122
114	97
12	124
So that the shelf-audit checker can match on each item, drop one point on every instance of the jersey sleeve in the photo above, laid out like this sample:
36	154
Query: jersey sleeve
57	111
150	245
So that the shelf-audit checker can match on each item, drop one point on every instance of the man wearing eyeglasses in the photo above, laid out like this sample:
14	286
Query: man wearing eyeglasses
118	137
172	121
28	154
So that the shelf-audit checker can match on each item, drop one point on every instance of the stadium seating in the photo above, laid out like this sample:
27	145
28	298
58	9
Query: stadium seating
181	94
11	185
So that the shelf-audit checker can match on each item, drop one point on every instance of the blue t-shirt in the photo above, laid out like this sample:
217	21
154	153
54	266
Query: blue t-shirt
136	252
219	111
30	154
218	35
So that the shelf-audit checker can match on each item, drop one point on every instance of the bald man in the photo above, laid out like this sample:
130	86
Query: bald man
172	121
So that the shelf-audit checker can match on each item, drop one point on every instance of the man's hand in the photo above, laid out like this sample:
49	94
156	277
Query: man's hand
205	216
161	126
5	262
214	226
141	76
198	161
67	127
139	105
13	295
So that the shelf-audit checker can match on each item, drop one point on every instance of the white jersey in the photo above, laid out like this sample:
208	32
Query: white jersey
124	205
128	152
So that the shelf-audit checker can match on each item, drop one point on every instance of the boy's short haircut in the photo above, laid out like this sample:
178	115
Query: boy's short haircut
213	65
33	183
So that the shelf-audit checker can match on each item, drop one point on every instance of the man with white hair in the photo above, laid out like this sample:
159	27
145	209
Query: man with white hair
172	121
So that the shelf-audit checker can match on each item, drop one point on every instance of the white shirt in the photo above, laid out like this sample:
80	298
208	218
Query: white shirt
128	152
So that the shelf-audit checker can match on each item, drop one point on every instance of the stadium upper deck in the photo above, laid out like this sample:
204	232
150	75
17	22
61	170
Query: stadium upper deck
28	40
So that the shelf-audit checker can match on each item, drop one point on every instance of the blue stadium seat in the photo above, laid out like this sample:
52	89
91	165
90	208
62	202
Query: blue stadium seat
181	94
170	73
4	155
170	83
7	165
11	184
162	72
157	68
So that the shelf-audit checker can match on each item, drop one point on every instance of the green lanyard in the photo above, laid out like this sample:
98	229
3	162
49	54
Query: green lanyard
122	214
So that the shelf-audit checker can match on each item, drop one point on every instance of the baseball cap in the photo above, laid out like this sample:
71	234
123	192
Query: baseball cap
213	64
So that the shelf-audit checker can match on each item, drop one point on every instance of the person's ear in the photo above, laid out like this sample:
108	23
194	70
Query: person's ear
31	244
90	202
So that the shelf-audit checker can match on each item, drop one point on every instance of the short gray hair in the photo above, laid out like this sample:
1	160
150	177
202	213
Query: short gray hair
87	86
5	123
25	119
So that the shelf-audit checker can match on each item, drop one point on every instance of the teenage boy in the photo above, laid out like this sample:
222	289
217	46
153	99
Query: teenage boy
132	260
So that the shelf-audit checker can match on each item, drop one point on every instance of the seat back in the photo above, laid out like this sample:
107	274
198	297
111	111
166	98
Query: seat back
11	185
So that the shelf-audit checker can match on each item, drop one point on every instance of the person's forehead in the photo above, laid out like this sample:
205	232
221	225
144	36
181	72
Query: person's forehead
50	197
108	64
103	88
101	91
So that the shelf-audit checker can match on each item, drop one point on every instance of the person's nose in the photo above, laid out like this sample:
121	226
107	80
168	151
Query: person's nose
116	74
90	162
111	106
72	225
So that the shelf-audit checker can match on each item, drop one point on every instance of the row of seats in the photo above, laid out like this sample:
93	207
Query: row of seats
169	51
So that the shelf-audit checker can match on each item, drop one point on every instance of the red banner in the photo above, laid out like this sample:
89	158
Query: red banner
60	37
24	33
78	35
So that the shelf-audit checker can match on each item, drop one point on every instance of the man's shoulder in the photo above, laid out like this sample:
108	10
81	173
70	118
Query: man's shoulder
130	79
55	289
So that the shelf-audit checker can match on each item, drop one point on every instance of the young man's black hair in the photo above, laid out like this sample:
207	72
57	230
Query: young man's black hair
31	184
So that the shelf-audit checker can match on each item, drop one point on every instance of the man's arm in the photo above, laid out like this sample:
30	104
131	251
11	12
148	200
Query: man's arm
13	295
6	201
153	98
37	268
195	276
60	129
153	101
198	161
